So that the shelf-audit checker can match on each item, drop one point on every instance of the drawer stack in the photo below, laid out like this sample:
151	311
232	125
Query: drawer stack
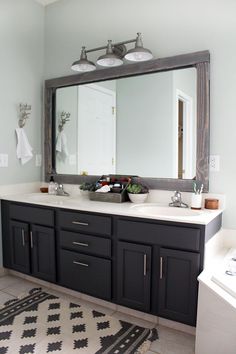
85	253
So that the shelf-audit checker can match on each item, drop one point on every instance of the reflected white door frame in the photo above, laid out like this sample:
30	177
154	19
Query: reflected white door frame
188	170
97	120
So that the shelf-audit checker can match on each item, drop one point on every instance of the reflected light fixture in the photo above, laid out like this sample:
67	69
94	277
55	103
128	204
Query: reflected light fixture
115	53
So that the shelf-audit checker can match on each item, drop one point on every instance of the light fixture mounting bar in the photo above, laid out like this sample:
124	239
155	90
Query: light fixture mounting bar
113	45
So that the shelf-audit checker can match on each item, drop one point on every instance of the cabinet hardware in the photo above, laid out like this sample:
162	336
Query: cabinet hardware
161	267
80	223
81	264
23	237
145	265
31	240
80	244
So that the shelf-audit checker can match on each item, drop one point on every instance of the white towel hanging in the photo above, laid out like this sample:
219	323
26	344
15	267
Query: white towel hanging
23	149
61	144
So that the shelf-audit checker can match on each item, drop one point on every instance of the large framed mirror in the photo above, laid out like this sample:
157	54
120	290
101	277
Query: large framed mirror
149	119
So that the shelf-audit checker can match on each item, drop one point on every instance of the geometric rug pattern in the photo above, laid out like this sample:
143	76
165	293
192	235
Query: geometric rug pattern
43	323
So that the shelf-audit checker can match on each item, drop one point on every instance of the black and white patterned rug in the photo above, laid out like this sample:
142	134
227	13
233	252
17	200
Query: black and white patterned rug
43	323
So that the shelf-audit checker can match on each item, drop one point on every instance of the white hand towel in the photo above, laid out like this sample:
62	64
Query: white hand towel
61	143
23	149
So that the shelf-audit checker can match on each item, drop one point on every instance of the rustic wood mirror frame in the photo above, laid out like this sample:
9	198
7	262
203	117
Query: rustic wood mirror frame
199	60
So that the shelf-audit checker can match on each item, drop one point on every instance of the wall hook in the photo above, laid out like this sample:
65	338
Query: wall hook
65	117
25	111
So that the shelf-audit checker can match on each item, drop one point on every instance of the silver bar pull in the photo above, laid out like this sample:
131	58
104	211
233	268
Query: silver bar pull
31	240
81	264
144	265
161	267
23	237
80	244
80	223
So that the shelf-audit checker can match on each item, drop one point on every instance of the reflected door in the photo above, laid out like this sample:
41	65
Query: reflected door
96	130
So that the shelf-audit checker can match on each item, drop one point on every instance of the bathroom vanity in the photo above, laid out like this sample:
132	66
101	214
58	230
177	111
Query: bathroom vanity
110	251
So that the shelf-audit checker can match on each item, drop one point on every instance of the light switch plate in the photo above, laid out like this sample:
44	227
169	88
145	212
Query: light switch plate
38	160
3	160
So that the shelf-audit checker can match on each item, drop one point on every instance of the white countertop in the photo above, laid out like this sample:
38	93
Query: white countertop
125	209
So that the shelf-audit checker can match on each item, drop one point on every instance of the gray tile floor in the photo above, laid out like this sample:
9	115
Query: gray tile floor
170	341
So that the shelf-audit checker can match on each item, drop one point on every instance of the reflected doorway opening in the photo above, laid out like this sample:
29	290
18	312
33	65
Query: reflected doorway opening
185	131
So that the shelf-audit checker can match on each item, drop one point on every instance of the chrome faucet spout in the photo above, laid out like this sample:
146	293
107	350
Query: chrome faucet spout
177	201
60	190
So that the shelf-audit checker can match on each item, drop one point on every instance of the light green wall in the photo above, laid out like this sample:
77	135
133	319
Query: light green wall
169	28
21	79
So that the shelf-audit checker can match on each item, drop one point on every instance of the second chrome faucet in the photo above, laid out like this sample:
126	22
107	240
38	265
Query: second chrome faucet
177	201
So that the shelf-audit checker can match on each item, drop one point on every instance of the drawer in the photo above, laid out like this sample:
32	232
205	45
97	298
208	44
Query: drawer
164	235
84	222
31	214
85	243
87	274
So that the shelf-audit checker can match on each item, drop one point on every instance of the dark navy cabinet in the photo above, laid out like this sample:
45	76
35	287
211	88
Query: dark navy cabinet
134	275
85	252
178	284
145	264
27	246
19	250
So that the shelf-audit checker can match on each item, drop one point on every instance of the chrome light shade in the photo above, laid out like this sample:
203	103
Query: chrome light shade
138	53
109	59
83	64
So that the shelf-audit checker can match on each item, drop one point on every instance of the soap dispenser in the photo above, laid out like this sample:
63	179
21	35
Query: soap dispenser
51	186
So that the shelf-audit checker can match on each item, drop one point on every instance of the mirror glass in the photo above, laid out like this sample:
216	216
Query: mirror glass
142	125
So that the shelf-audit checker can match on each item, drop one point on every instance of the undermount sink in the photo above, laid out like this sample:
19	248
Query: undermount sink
157	210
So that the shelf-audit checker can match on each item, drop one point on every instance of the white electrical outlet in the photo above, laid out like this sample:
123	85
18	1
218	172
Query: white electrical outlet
214	162
38	160
3	160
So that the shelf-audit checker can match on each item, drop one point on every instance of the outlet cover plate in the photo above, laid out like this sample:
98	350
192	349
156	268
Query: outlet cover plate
214	162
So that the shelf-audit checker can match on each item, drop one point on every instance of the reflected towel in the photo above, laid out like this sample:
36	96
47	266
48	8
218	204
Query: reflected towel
23	149
61	144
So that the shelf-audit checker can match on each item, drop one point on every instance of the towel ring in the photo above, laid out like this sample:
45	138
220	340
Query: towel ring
25	111
65	117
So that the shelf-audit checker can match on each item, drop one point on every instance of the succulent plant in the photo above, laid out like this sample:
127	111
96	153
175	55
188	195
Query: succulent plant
137	188
86	186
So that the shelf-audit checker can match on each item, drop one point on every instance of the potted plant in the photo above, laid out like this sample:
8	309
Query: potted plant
85	188
137	192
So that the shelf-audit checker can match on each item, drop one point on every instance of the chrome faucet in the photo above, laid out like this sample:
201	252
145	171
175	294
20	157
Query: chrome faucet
177	201
60	190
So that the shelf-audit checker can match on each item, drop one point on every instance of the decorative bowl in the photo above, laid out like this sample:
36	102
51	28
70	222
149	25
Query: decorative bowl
138	198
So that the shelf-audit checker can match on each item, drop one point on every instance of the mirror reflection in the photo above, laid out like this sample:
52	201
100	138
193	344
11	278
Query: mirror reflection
143	125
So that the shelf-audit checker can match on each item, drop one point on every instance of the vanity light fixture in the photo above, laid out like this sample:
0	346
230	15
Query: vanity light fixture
83	64
115	53
110	58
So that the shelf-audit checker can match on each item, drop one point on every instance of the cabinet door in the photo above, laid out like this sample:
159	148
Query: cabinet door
178	285
133	275
20	254
42	243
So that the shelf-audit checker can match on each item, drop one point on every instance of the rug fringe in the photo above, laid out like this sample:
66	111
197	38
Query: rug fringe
145	346
30	292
